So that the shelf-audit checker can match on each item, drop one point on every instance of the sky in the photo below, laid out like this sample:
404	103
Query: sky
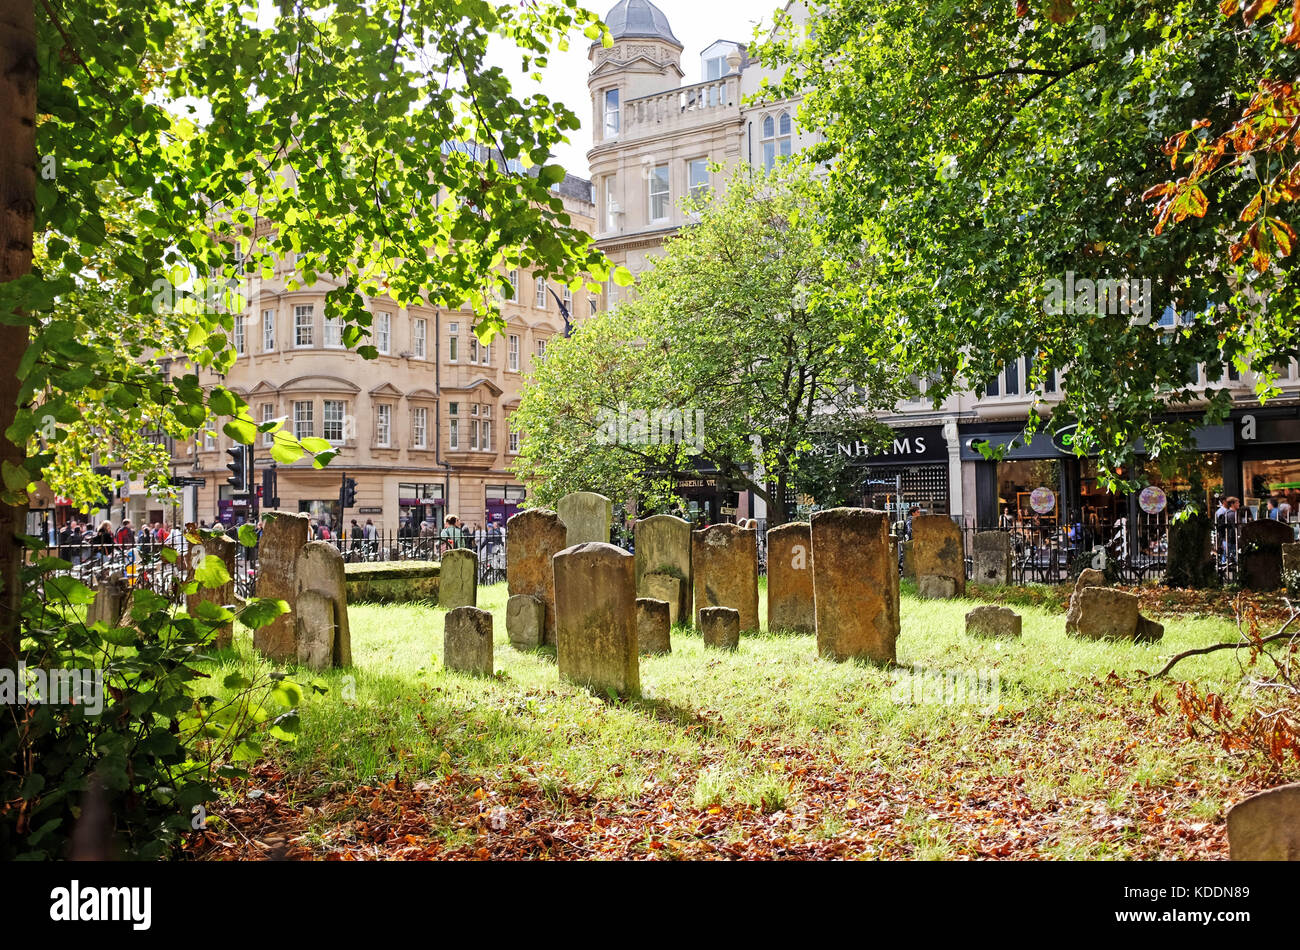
697	23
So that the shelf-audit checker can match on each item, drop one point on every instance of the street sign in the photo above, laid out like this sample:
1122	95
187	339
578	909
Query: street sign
189	481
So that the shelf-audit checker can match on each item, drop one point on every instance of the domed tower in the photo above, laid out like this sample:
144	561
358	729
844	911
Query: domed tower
646	58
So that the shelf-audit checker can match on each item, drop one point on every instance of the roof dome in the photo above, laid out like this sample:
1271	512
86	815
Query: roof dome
639	18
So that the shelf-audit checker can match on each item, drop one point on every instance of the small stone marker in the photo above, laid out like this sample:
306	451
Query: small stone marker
1260	553
458	580
720	627
533	538
790	579
467	641
111	595
283	536
992	557
320	568
595	613
938	557
653	629
525	621
993	621
1148	631
1266	827
587	516
724	558
315	629
663	547
672	590
855	582
909	561
224	550
1103	613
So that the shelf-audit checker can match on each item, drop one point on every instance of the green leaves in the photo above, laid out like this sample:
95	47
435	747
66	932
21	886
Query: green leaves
260	612
211	572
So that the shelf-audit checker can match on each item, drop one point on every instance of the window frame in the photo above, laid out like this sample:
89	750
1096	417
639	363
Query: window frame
299	311
665	196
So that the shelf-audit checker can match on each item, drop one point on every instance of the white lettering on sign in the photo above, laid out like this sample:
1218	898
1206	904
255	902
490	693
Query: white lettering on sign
1249	429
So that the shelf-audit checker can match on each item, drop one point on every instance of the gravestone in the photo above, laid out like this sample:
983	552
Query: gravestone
111	595
663	546
533	538
283	536
458	580
993	621
225	550
909	562
315	629
672	590
720	627
1260	553
653	629
855	585
1291	568
938	557
595	618
724	559
790	579
320	568
992	557
467	641
587	516
1102	613
525	621
1191	560
1266	827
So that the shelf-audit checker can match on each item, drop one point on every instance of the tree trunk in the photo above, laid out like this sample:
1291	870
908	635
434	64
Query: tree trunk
18	73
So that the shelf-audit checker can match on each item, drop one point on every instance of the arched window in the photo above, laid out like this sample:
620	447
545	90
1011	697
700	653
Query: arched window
778	139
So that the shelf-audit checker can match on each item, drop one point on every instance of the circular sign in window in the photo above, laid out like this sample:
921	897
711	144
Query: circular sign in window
1153	500
1043	501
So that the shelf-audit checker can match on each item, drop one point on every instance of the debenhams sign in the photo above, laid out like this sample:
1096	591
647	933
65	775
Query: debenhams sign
922	444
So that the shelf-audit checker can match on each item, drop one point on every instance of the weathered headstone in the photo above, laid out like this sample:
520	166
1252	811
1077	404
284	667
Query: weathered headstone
653	629
458	581
525	621
1260	553
1191	561
320	568
315	629
224	550
283	536
938	556
533	538
587	516
467	641
595	613
992	557
1102	613
720	627
790	579
111	595
670	589
909	561
724	559
1266	827
993	621
855	583
663	546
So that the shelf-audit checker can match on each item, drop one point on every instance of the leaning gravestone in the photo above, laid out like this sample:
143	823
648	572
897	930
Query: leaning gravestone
458	579
720	627
111	595
993	621
315	629
587	516
724	559
1260	553
855	585
992	557
320	568
653	629
1266	827
663	547
525	621
938	557
467	641
225	551
790	579
283	536
595	618
533	538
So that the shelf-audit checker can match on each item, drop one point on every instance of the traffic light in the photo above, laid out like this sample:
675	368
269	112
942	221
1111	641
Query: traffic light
348	496
240	456
270	499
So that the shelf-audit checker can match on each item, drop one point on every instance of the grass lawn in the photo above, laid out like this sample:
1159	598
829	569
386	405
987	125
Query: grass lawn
767	752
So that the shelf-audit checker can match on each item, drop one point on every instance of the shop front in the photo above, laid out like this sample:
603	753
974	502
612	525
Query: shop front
502	504
911	470
420	503
1268	451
